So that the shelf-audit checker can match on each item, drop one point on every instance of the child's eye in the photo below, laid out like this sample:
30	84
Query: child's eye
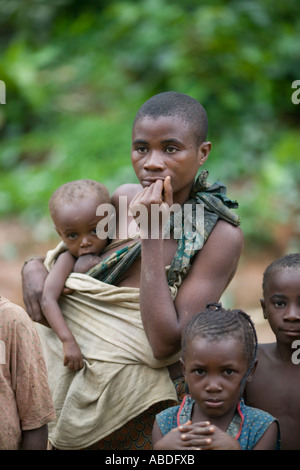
199	372
94	231
279	303
229	371
72	236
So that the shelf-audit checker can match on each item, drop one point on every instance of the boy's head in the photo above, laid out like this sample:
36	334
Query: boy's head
174	104
73	208
281	297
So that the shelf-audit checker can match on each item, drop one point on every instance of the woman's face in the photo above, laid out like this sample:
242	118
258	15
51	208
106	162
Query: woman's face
166	146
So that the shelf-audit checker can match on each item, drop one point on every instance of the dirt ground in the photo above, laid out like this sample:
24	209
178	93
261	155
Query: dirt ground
19	242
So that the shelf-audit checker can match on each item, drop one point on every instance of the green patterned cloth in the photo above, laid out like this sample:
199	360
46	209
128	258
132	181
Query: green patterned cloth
216	205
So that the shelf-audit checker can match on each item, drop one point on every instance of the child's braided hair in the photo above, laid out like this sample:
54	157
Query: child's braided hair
216	322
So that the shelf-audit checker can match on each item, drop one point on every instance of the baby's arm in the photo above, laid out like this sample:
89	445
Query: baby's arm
53	288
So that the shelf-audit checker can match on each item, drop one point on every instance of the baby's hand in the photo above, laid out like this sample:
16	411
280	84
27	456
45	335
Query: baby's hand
72	355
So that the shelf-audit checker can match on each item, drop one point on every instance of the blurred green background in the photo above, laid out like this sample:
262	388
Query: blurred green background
77	72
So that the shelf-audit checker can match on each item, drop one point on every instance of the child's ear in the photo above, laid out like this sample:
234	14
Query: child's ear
249	378
57	231
263	306
182	365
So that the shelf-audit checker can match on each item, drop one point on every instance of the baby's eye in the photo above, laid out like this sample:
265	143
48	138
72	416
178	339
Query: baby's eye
199	372
94	231
72	236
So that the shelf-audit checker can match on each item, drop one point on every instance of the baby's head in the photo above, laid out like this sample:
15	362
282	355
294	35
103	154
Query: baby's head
74	191
73	208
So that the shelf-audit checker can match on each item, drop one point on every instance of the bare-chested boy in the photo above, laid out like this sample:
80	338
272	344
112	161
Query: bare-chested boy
275	384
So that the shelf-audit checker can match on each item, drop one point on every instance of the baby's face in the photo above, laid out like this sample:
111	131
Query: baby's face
77	223
281	304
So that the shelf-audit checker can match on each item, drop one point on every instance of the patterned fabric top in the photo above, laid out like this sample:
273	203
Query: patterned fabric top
247	426
215	206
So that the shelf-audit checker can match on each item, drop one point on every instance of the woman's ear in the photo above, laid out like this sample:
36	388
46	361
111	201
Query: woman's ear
203	152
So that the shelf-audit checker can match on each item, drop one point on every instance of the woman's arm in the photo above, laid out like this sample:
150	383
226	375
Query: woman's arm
34	274
211	272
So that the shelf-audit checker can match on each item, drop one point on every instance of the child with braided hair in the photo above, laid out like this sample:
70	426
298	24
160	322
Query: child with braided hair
218	357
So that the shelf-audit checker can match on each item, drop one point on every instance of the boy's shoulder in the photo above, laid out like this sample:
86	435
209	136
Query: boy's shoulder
266	350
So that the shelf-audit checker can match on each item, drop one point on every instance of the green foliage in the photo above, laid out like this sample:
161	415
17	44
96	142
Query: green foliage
77	72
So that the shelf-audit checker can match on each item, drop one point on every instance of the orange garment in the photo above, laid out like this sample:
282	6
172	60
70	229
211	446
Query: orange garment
25	399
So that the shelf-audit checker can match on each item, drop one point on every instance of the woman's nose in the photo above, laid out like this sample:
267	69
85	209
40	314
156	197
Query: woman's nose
154	161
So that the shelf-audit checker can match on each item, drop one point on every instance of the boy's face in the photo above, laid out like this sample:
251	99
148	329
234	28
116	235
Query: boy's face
166	146
77	226
214	371
281	304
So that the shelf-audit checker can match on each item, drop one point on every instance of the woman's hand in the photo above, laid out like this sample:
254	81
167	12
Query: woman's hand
34	274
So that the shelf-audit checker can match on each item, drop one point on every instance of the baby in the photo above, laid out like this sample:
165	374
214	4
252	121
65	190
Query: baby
73	210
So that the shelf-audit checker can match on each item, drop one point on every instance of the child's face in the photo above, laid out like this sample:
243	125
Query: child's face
281	304
214	371
166	146
77	224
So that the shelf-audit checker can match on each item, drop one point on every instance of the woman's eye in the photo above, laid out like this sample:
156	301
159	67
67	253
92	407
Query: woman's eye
171	150
141	149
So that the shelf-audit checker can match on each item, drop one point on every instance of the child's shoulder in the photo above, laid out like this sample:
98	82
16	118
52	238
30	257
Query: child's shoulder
167	419
11	312
266	352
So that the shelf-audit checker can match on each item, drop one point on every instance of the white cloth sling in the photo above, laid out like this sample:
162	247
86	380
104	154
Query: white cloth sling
120	378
